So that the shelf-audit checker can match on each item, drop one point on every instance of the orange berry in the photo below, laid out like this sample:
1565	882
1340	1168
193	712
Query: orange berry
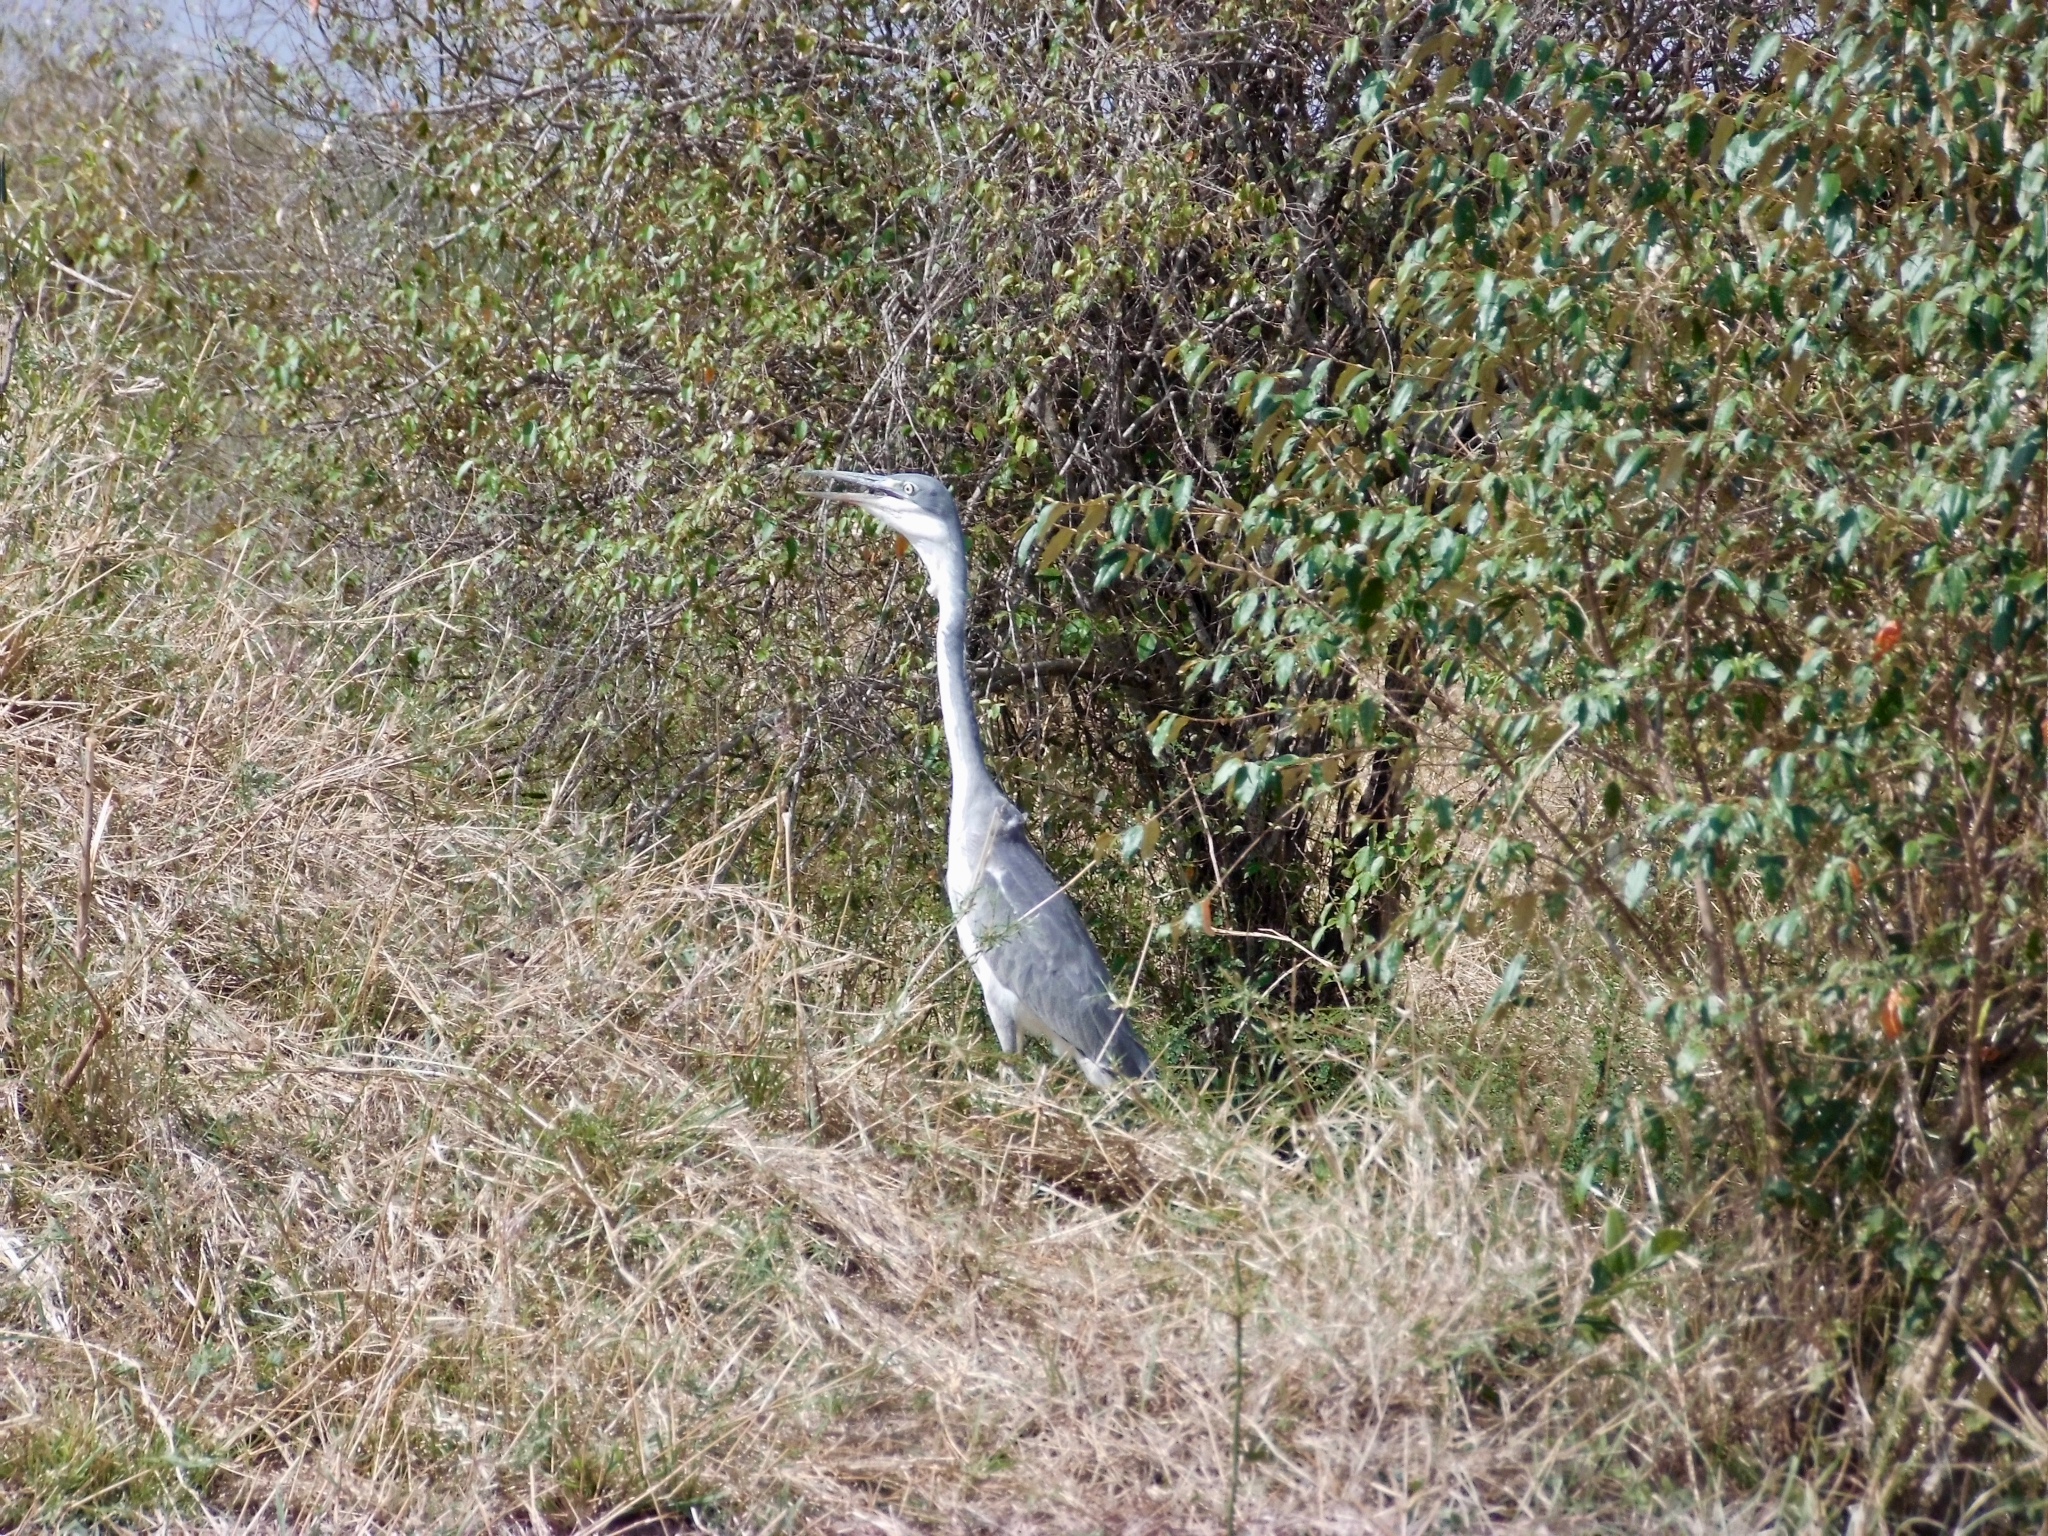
1888	635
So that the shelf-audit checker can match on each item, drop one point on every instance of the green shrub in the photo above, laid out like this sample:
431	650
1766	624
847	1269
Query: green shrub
1695	494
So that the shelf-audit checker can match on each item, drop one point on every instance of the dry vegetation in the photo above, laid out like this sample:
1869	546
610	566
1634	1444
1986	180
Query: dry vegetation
445	1167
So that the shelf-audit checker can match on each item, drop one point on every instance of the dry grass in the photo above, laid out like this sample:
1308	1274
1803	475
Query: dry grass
445	1167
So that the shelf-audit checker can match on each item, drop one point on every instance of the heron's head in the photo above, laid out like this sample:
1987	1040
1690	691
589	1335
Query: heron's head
918	507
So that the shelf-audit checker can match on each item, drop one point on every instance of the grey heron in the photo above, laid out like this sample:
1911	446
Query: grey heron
1040	972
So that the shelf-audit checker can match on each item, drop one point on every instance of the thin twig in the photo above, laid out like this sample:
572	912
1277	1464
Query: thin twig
807	1086
81	937
103	1025
20	904
1236	1389
92	282
81	945
8	1039
7	350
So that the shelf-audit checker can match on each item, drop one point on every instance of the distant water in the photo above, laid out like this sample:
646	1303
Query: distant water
287	31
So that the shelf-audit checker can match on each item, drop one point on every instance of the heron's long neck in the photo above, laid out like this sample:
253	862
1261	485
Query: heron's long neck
956	699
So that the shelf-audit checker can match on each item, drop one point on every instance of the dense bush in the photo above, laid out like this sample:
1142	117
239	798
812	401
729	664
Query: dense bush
1695	493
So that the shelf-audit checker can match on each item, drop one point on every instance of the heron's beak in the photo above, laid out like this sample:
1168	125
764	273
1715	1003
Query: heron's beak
868	492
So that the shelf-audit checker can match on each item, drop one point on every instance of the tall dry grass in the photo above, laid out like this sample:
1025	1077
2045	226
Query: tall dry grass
446	1165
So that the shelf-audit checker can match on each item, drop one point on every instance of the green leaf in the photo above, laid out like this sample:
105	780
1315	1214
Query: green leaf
1139	840
1510	983
1665	1245
1921	323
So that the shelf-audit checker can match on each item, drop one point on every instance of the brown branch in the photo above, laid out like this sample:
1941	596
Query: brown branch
1087	668
7	350
103	1027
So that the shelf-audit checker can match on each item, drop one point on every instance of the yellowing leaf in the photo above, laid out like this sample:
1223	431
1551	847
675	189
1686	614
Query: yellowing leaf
1055	546
1575	120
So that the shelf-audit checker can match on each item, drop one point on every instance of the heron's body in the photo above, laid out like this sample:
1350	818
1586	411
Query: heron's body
1040	972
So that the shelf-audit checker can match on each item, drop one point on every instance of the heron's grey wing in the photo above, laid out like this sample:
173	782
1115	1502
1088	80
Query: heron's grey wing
1033	939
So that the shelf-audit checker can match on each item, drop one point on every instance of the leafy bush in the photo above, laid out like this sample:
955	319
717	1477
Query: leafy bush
1695	494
